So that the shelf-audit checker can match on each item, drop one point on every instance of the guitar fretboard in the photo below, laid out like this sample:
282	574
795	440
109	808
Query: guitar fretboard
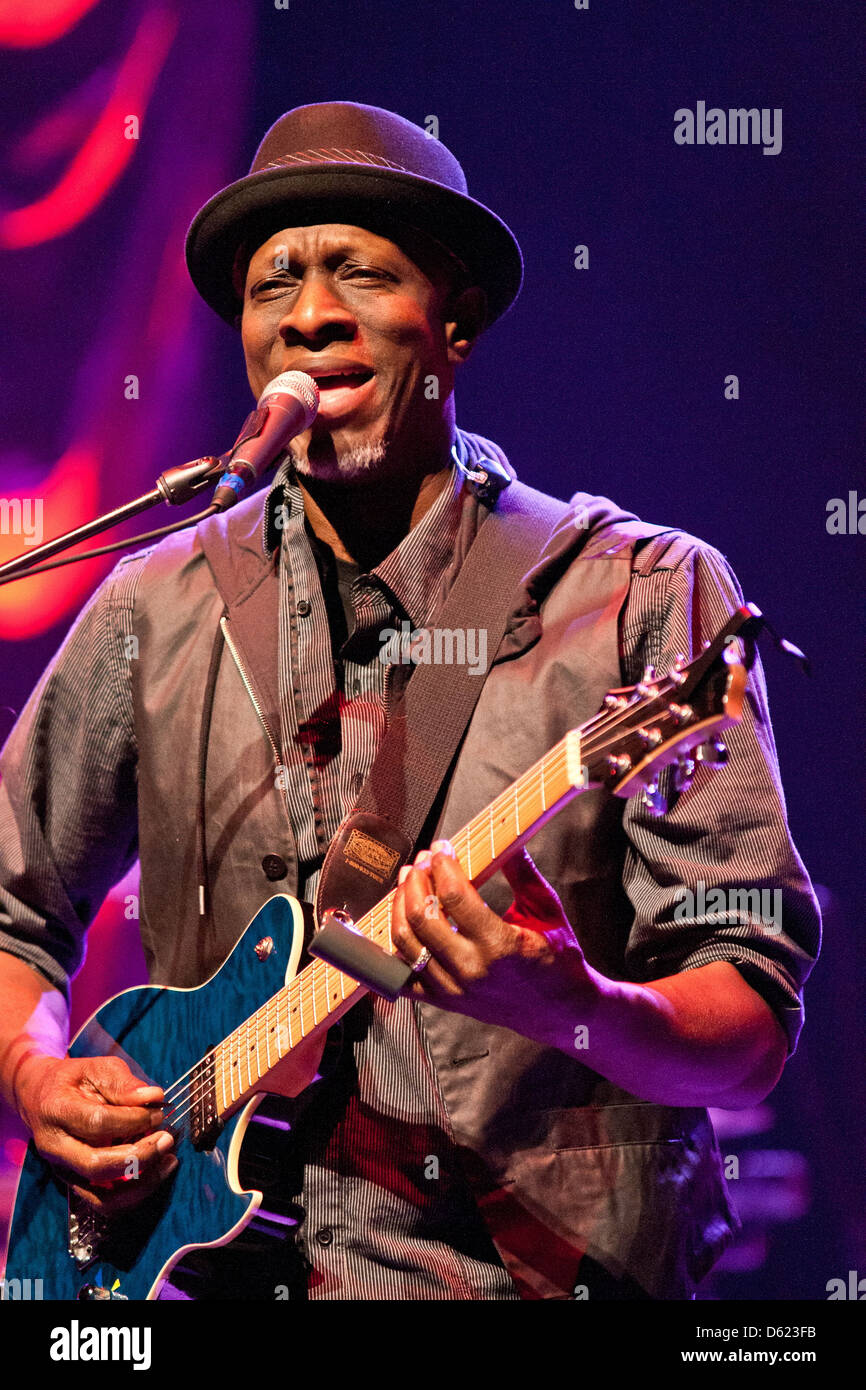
321	993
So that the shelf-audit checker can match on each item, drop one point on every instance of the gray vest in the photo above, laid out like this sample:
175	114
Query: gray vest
558	1157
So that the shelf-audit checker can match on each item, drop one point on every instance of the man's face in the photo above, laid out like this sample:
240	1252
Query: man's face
352	310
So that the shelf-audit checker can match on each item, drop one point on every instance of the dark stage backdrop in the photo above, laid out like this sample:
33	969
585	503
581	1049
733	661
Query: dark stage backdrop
687	342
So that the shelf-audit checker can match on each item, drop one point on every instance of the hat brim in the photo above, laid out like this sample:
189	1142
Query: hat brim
359	195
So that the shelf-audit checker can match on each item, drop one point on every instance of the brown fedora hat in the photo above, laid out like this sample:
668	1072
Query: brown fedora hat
339	161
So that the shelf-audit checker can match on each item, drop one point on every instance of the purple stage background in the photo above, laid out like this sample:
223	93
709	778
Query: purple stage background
704	262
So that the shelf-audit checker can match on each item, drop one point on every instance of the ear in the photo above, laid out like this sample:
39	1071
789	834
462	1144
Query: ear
465	321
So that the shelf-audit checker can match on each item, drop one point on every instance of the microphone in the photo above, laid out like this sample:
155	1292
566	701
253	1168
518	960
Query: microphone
286	408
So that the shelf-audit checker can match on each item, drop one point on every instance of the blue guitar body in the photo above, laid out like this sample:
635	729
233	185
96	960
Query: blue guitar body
160	1033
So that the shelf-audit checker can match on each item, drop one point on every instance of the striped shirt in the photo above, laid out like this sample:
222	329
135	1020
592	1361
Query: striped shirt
381	1184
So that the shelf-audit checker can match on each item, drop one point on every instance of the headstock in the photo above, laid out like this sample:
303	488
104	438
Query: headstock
672	718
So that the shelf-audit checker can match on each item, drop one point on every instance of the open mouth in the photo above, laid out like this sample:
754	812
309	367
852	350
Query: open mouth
341	381
342	393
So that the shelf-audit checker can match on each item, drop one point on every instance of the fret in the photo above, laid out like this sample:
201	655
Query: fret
268	1037
314	992
492	843
279	1029
246	1042
301	1018
543	802
232	1066
221	1055
469	854
335	978
516	816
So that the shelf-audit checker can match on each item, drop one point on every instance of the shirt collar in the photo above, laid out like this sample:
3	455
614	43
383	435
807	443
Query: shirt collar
485	472
409	574
411	570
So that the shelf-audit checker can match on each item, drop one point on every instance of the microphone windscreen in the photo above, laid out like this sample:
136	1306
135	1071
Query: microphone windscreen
297	384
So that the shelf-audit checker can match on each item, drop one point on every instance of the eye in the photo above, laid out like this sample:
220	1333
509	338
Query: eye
351	270
270	284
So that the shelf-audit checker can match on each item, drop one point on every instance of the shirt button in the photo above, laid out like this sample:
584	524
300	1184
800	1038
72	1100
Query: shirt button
324	1235
303	607
275	867
357	783
356	687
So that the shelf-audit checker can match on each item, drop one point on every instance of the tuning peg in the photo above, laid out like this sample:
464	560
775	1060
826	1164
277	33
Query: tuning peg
713	752
649	738
683	774
618	764
646	686
654	800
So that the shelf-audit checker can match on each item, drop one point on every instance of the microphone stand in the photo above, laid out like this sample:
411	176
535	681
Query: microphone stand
174	487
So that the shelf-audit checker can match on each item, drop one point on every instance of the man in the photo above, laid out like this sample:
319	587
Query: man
529	1121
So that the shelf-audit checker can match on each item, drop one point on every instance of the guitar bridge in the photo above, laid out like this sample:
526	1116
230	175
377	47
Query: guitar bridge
87	1232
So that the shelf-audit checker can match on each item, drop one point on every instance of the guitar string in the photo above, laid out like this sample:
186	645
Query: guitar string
308	990
553	760
308	986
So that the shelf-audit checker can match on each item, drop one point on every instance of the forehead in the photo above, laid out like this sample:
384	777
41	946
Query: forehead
323	241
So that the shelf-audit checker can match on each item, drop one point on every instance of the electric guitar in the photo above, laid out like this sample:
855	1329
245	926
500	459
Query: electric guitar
258	1025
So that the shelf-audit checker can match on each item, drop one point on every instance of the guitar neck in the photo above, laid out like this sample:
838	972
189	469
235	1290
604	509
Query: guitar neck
321	993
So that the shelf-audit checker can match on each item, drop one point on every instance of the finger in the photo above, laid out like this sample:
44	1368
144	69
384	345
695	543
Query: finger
111	1078
81	1164
97	1123
532	892
124	1196
433	977
425	918
462	903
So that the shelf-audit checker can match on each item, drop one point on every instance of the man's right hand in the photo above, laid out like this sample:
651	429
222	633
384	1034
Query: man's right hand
97	1126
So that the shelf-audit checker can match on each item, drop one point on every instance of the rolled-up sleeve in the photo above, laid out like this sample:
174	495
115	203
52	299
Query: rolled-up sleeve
68	826
718	876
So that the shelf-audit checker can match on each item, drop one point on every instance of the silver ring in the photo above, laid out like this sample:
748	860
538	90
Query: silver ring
422	962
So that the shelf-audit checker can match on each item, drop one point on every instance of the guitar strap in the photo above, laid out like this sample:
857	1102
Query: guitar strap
381	832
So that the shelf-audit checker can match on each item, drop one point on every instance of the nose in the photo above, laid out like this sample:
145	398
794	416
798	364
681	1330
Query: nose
318	313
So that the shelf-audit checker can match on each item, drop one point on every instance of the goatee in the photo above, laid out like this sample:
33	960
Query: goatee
348	463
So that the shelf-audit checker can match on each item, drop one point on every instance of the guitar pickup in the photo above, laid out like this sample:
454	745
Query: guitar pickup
205	1126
